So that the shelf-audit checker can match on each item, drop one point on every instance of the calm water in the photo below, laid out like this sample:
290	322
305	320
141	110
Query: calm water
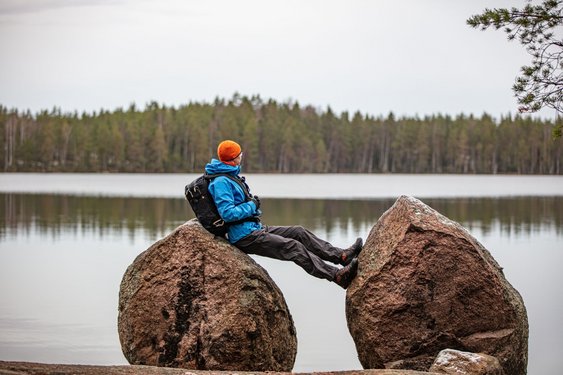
63	253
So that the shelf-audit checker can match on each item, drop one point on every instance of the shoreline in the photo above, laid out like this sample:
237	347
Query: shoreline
32	368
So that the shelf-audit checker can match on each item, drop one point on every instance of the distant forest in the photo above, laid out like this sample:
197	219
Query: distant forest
276	138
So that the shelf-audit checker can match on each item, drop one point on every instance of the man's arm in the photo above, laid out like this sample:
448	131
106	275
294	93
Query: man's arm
223	194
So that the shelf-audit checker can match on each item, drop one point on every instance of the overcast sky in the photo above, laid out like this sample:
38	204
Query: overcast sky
412	57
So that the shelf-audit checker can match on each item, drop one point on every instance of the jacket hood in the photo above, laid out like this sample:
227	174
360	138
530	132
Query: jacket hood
216	166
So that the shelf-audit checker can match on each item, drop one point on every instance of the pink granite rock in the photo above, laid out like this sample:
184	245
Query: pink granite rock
425	284
456	362
194	301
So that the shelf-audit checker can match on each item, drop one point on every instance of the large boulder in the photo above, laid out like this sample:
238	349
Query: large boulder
455	362
194	301
425	284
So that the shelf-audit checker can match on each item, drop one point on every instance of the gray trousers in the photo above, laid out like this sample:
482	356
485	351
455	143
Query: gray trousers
296	244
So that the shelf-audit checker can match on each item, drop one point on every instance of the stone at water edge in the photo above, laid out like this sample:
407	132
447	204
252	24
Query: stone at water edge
194	301
425	284
456	362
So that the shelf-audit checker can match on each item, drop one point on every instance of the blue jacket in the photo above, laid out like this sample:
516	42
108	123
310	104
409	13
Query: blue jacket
231	201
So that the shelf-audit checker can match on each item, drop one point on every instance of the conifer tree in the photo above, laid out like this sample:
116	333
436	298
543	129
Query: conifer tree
539	30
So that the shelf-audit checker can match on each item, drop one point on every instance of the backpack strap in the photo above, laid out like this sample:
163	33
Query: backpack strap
239	181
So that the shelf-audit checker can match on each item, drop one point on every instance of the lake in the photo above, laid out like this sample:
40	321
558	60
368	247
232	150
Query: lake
66	240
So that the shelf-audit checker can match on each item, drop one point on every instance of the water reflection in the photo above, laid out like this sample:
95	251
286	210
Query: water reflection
58	214
62	259
63	215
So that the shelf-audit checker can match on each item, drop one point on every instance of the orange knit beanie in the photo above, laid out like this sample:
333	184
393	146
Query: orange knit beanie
228	150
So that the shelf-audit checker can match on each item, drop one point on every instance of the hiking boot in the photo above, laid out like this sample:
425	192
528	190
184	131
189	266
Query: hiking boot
345	275
352	252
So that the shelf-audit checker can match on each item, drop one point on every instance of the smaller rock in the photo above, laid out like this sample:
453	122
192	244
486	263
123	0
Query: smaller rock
450	361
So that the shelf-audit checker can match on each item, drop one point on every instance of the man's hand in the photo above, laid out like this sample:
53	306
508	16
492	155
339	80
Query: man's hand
256	201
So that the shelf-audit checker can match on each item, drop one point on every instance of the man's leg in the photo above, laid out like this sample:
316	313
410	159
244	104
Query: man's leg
271	245
314	244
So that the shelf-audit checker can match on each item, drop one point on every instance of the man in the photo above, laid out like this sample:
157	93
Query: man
293	243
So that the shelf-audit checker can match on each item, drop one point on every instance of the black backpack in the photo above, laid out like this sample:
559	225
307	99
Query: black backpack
204	207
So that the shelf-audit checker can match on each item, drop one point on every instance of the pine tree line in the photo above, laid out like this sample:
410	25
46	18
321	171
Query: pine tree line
276	137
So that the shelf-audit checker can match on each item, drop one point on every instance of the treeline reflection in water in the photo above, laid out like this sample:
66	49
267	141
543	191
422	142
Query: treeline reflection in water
155	217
